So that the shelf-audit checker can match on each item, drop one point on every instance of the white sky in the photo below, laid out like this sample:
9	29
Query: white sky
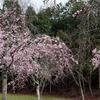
39	3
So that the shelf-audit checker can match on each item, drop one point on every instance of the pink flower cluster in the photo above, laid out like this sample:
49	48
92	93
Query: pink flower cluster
14	36
15	0
96	59
77	13
41	59
82	11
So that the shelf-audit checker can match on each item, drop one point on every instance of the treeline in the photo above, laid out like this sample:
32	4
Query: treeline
77	23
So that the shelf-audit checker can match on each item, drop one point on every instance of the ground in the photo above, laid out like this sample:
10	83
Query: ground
67	94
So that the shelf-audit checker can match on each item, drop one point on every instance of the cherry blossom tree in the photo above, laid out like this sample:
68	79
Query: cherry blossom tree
42	59
13	36
89	26
96	62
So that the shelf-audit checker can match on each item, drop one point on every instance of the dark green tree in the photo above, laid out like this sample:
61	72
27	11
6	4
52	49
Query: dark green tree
31	20
10	4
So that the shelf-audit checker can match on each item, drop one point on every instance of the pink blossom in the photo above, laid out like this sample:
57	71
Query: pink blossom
74	15
78	12
94	51
96	59
14	0
60	46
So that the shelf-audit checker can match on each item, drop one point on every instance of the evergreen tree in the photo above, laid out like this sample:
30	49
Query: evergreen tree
11	4
31	20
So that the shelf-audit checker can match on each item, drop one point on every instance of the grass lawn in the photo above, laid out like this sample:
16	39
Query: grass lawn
31	97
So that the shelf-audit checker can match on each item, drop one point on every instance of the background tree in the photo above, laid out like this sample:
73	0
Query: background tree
93	26
53	19
88	28
31	20
13	35
11	4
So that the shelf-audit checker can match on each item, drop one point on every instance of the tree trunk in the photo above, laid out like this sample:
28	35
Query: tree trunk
50	87
81	89
13	83
4	84
99	80
89	79
38	92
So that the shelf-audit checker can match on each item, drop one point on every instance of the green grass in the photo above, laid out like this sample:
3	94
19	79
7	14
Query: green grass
32	97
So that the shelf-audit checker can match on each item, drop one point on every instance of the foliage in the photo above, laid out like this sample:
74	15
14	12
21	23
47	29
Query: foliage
89	27
63	19
31	20
11	4
44	23
53	19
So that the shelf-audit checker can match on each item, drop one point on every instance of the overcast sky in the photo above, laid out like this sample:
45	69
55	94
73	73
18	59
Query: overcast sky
39	3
